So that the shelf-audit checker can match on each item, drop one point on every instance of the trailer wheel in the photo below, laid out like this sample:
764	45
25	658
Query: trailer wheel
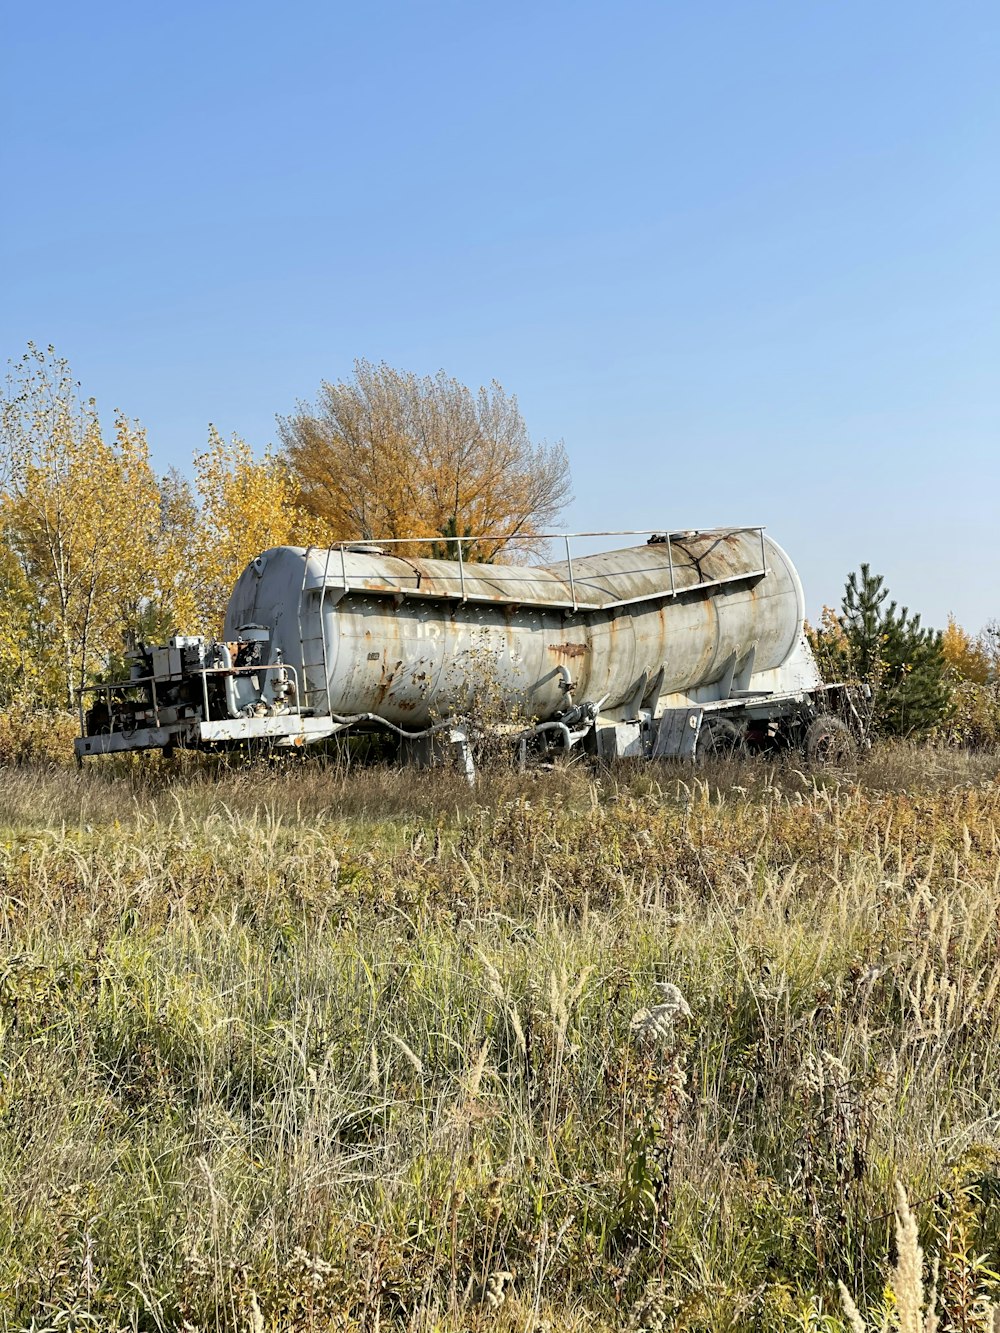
718	739
829	741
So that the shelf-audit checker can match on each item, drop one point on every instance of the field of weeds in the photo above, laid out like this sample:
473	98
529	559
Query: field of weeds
306	1049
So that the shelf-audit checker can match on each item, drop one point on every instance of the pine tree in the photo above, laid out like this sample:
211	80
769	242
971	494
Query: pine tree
885	647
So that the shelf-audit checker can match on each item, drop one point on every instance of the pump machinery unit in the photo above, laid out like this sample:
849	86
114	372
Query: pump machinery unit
688	644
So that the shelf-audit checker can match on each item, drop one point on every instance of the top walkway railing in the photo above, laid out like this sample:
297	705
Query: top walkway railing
653	535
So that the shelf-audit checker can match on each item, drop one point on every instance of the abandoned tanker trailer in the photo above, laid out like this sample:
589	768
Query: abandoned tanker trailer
692	641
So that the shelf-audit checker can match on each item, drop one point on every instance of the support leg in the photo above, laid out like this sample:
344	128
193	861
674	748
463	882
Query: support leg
463	753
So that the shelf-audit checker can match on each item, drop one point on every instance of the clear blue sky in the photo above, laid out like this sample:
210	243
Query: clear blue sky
744	258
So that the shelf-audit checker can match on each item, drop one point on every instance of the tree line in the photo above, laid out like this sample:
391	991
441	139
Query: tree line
916	681
97	549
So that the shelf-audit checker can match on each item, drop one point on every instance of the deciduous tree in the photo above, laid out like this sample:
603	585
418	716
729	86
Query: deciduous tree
393	454
95	549
244	505
79	517
973	663
968	658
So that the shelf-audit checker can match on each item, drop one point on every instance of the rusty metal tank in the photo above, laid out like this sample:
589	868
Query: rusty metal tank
685	617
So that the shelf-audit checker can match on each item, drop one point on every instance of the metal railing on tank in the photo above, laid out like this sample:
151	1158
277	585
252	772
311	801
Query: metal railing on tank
654	536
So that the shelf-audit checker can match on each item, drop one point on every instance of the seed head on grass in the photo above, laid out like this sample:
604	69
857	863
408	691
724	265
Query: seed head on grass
408	1052
495	1289
907	1279
655	1025
651	1312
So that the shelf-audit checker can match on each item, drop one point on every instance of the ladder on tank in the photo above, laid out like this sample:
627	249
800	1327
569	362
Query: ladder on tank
310	642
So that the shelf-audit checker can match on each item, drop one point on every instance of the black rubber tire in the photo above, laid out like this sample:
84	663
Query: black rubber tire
718	739
829	742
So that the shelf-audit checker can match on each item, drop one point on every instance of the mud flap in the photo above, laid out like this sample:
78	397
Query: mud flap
677	734
622	740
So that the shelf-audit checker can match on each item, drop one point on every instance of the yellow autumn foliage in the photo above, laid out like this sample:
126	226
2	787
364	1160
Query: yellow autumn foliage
391	454
245	505
96	550
969	657
80	516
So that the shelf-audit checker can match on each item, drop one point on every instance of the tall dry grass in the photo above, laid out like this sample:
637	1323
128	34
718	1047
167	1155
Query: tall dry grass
311	1048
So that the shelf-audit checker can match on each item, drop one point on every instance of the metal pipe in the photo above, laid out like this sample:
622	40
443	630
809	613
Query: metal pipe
322	598
572	584
570	738
229	682
295	681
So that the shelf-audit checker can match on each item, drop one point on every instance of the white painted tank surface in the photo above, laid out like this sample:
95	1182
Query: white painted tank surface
415	640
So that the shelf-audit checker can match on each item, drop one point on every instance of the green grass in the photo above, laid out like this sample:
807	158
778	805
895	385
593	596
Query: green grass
311	1048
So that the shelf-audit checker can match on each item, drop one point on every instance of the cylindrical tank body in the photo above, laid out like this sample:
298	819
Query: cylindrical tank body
415	641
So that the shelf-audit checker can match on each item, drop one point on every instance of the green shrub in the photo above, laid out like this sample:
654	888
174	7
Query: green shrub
975	716
37	736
